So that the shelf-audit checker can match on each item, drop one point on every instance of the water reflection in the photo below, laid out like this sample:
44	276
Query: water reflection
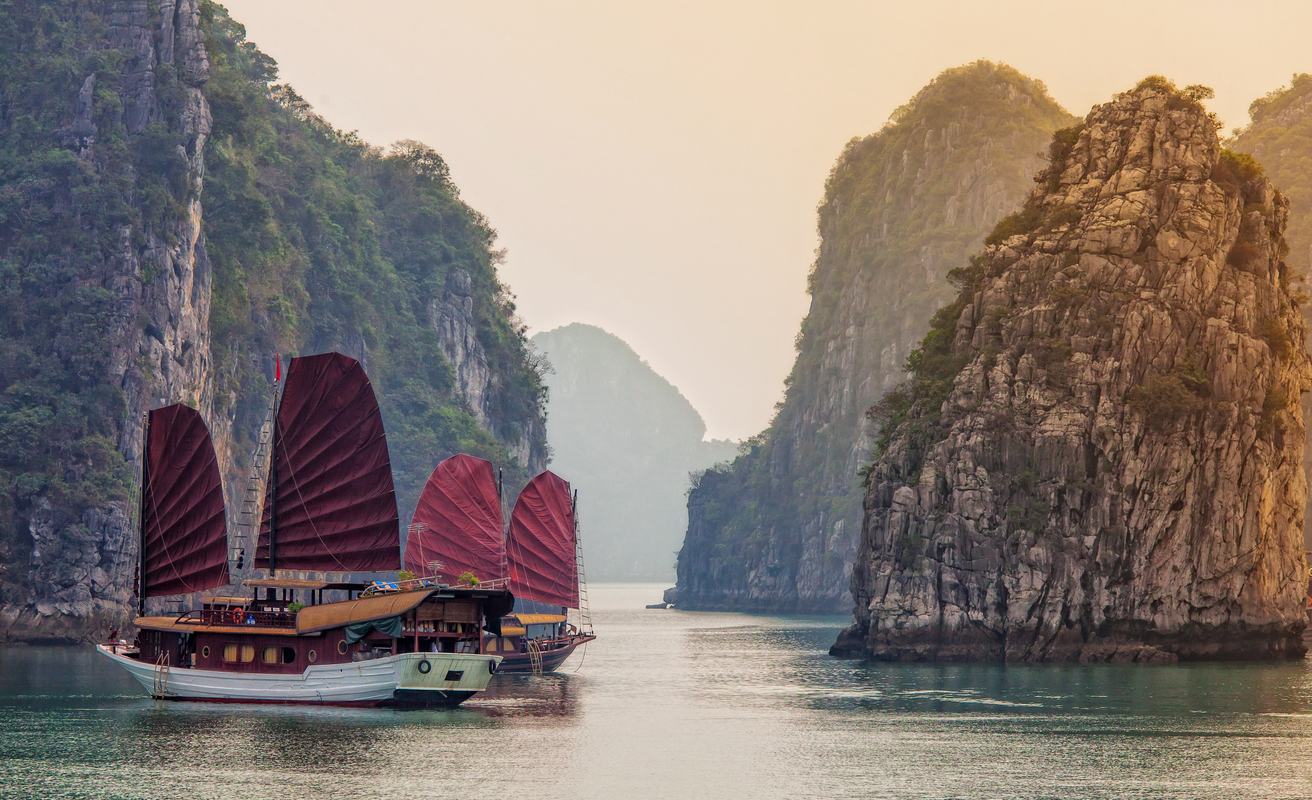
551	695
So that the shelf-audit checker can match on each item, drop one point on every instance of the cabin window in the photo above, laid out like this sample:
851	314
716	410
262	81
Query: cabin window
342	647
205	651
230	652
280	655
247	653
312	656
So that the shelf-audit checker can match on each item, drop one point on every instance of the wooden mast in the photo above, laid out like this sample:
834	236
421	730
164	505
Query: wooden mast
141	516
273	485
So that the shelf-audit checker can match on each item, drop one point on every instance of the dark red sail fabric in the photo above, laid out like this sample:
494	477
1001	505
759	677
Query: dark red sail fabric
329	500
460	512
184	528
540	547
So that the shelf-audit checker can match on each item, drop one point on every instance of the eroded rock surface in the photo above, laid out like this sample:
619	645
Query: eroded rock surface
777	530
1116	473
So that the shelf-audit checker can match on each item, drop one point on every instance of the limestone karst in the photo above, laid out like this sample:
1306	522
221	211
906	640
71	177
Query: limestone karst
1278	136
1099	454
627	439
171	217
777	529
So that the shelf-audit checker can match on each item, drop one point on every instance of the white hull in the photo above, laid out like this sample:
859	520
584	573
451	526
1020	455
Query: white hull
374	681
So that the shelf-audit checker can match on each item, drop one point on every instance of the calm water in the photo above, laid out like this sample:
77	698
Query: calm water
670	704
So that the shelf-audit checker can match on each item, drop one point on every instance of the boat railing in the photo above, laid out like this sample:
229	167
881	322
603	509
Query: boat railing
410	584
557	642
239	616
386	587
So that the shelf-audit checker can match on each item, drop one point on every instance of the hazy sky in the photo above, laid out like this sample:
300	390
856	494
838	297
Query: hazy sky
654	168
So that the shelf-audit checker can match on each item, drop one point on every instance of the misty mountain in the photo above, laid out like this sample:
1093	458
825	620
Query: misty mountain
627	440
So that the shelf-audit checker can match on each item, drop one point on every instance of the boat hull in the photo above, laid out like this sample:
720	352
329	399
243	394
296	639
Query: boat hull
551	659
407	679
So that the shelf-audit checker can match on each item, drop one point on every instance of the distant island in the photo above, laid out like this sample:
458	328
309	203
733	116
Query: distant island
627	439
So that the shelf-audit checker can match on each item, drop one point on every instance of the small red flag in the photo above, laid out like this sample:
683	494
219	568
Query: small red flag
277	374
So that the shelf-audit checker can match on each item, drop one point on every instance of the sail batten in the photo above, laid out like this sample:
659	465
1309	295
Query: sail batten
458	522
184	532
540	546
331	493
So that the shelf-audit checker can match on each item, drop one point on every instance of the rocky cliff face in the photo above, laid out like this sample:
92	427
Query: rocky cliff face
170	218
1099	453
777	529
454	321
1278	136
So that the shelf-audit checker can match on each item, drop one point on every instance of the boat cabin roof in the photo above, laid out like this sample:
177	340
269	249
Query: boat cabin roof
390	604
220	600
538	619
366	609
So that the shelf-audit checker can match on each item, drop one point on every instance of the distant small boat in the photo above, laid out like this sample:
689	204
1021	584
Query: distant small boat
458	531
329	506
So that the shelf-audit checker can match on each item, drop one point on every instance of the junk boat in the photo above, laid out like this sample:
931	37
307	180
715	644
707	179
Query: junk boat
329	506
458	531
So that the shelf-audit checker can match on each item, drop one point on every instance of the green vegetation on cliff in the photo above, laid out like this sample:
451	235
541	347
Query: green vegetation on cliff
60	216
902	207
170	218
320	241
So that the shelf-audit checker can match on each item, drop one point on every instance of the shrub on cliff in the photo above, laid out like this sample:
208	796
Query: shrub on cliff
1236	168
1164	399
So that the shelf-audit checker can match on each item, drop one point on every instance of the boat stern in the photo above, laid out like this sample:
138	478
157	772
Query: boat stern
441	679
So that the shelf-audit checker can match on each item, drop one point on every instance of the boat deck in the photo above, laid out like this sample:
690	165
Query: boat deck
175	625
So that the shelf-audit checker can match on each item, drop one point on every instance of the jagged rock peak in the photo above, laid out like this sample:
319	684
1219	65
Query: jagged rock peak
777	530
1098	454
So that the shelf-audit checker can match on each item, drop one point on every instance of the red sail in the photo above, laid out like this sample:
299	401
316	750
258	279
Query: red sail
184	529
540	546
329	499
460	512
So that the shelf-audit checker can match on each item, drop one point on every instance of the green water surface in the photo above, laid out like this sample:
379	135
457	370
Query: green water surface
670	704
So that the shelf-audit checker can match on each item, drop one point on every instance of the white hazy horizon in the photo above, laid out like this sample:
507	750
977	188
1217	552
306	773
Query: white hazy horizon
653	169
